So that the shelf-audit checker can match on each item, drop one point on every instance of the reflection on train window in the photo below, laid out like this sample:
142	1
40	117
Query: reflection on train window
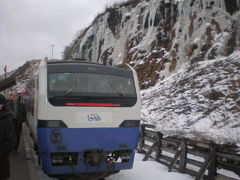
90	83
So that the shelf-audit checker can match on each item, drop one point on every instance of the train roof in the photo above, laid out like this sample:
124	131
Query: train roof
73	62
85	62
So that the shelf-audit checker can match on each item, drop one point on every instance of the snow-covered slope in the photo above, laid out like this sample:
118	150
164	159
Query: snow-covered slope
23	75
199	101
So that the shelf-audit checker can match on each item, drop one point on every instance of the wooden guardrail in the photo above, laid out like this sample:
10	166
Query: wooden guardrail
197	158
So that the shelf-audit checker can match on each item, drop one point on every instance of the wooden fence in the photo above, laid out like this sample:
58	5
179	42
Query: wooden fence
197	158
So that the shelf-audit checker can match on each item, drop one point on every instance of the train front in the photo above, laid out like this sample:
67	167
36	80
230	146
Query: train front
88	119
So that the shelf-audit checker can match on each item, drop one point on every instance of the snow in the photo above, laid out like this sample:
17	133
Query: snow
128	32
228	173
142	170
148	170
184	103
24	78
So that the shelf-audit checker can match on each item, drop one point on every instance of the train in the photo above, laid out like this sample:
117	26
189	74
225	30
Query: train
84	118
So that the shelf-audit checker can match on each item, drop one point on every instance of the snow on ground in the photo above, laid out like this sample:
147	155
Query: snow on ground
142	170
228	173
148	170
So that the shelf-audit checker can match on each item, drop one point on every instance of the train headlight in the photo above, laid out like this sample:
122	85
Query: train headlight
57	159
64	158
54	160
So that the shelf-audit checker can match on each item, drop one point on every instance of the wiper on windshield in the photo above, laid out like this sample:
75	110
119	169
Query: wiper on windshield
74	85
117	91
69	92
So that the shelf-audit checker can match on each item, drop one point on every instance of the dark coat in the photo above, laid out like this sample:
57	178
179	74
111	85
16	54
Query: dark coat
7	142
21	112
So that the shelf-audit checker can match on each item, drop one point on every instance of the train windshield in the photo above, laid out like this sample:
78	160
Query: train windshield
85	84
65	88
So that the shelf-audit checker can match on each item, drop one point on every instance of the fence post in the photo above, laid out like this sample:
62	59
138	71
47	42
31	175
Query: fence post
150	151
158	145
141	143
173	162
212	167
183	155
210	160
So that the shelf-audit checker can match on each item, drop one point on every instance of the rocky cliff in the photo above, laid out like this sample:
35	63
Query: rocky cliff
158	36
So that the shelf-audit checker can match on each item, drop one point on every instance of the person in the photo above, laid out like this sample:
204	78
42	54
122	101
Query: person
19	116
7	138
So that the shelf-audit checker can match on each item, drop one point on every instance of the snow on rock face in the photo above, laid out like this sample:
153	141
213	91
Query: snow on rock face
211	24
200	101
128	33
24	74
157	37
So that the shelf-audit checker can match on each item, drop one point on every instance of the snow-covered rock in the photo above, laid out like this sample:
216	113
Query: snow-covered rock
199	101
23	75
158	37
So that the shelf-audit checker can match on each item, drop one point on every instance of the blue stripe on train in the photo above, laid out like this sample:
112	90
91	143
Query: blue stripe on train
82	139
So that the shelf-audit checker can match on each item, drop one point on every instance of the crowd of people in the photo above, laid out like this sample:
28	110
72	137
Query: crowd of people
12	115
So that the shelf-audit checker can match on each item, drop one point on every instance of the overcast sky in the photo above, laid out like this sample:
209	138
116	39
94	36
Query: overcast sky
28	28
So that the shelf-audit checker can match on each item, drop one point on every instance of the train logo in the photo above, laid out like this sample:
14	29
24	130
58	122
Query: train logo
94	118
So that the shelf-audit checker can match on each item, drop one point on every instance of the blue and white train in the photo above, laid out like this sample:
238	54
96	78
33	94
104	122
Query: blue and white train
84	118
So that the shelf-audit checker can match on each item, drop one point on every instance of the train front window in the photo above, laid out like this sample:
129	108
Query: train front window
86	84
89	87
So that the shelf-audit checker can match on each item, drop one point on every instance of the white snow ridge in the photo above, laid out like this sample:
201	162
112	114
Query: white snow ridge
199	101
